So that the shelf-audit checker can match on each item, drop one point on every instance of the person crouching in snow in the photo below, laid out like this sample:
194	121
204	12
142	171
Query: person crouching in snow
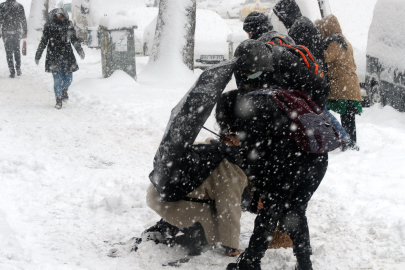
209	215
59	35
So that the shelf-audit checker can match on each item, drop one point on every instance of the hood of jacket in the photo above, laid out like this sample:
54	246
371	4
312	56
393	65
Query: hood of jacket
329	26
54	12
257	23
288	12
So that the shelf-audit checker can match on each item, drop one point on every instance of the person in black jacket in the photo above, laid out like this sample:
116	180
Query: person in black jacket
59	35
284	177
301	29
13	26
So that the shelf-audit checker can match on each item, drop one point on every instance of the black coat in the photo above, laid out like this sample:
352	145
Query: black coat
12	18
258	117
59	39
301	29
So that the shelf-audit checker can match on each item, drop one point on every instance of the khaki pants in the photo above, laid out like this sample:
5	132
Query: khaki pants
221	222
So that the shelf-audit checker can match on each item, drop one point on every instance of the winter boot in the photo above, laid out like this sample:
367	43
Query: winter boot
12	75
58	103
350	145
65	96
244	263
19	73
161	233
193	240
303	262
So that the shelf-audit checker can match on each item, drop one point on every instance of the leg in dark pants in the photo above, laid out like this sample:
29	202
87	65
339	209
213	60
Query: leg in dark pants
349	120
12	46
285	199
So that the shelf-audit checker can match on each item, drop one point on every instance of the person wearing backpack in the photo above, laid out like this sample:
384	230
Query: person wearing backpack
284	176
58	37
13	27
301	29
345	97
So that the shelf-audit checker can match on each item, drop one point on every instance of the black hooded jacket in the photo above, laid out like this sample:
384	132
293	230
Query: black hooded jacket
12	18
301	29
257	118
59	38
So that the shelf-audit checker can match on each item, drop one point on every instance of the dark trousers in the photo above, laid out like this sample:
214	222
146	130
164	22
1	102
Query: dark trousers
285	199
349	121
12	46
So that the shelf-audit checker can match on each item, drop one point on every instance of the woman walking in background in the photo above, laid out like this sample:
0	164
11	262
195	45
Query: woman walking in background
59	34
345	96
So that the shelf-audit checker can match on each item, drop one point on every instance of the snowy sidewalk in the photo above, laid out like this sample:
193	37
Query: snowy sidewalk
74	180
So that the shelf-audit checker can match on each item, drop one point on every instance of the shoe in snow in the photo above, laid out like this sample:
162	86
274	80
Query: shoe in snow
350	145
65	95
193	240
160	231
303	262
19	73
244	263
58	103
12	75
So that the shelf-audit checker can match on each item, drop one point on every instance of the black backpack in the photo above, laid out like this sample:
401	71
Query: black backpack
278	43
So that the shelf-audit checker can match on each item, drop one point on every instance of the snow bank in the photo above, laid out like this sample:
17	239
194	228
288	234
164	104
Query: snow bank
386	38
10	248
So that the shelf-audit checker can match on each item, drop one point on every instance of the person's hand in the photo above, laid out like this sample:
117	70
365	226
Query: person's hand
37	61
24	36
231	140
82	55
260	204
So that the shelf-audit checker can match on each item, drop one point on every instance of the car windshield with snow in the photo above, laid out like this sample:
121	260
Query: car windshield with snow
385	71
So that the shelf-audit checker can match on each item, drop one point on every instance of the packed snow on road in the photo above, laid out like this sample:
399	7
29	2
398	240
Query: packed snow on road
74	181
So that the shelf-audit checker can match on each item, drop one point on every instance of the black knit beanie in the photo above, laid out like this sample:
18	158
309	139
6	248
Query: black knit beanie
257	23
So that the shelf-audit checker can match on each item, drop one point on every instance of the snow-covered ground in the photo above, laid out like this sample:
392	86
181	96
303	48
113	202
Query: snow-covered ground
73	181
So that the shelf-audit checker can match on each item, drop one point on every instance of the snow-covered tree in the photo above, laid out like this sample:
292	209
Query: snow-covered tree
174	36
37	18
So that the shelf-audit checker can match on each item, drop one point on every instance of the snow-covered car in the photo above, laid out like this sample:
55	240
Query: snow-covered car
67	6
211	34
385	70
229	9
258	5
87	13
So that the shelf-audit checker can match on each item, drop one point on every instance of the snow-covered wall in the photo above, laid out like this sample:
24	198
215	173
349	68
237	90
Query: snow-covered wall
386	37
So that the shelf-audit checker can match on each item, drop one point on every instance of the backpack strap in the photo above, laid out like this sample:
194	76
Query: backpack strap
281	40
